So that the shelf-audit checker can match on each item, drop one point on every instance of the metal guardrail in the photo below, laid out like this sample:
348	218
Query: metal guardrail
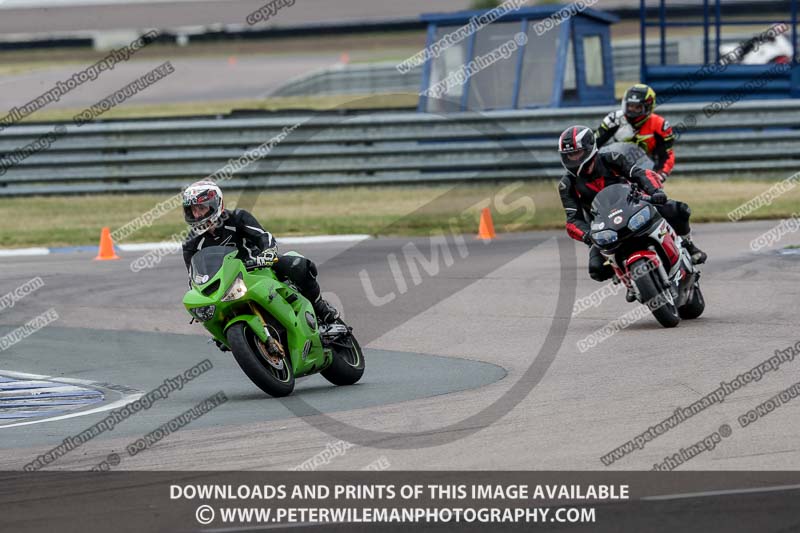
373	78
627	61
377	78
753	138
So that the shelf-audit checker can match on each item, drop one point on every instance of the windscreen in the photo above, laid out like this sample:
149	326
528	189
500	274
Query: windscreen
610	198
208	261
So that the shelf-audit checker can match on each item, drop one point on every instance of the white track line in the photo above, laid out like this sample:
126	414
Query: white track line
168	245
711	493
24	251
312	239
687	495
126	398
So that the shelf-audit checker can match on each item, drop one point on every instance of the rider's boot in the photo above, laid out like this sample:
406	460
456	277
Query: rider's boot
326	313
221	346
630	296
698	256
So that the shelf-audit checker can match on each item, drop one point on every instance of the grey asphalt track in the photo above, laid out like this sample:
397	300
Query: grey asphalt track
193	79
194	13
393	377
493	308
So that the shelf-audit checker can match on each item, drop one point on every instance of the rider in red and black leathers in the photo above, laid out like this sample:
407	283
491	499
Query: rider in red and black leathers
636	123
589	172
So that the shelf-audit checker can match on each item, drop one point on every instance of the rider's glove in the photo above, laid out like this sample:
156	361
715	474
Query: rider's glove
587	239
662	175
659	197
267	258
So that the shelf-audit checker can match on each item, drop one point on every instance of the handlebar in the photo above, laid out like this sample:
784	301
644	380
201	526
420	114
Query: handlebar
252	264
638	194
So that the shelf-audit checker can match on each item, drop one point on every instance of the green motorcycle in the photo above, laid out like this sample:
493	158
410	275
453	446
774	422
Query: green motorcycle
270	328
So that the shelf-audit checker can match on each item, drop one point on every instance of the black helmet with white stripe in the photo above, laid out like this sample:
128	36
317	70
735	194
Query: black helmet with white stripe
202	205
638	103
578	148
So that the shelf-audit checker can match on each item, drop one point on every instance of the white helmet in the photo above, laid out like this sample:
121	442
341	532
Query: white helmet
205	193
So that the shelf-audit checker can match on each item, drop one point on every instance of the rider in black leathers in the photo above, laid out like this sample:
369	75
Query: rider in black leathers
213	225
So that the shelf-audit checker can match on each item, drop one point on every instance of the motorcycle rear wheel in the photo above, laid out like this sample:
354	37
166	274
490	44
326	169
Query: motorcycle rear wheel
348	362
695	306
250	356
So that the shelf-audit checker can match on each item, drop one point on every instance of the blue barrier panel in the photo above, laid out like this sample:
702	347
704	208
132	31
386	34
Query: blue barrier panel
760	65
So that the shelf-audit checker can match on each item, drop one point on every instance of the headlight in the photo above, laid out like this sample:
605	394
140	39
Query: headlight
605	237
639	219
204	314
236	290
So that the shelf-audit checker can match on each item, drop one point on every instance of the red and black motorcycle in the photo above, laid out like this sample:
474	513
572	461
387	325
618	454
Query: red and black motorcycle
646	254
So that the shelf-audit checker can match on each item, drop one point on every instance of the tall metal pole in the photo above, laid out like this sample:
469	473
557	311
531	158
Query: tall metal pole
662	15
794	31
719	24
705	32
642	43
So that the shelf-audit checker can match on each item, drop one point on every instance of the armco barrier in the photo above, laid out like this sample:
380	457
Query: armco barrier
749	138
381	78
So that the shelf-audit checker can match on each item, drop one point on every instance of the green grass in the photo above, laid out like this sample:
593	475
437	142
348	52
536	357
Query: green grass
66	221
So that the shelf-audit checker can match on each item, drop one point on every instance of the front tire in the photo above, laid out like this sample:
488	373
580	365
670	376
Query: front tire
666	314
249	352
348	362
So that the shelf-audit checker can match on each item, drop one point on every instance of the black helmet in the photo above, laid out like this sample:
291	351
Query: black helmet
205	193
577	147
638	104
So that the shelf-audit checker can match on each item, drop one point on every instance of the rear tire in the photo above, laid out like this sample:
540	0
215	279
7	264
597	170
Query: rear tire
348	362
695	306
243	342
649	288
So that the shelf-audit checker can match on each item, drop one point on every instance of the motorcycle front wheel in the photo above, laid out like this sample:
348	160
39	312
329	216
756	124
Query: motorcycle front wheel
666	313
275	376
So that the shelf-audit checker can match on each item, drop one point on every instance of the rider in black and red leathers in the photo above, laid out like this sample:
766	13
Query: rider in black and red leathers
589	172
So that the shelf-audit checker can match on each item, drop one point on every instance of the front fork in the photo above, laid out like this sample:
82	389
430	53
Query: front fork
627	277
258	325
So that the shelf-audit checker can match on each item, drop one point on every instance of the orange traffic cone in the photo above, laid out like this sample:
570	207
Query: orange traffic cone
106	251
486	229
